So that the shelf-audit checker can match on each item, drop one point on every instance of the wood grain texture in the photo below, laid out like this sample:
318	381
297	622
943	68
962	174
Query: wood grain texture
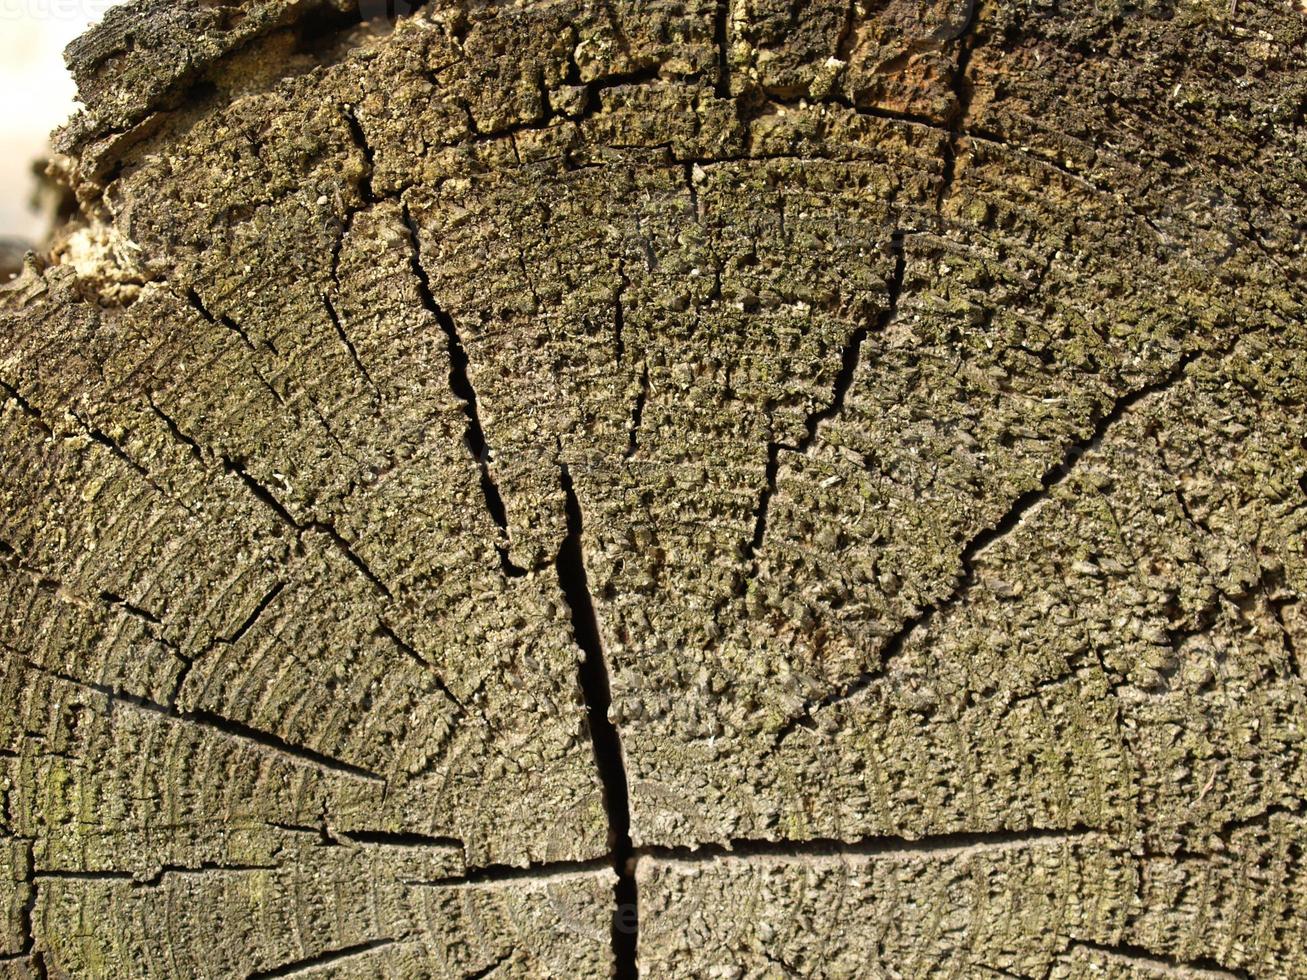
735	489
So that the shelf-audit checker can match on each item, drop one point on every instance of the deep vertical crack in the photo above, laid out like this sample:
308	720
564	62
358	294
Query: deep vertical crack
692	191
461	385
721	35
365	148
637	415
604	737
619	319
962	92
853	350
27	918
848	33
764	501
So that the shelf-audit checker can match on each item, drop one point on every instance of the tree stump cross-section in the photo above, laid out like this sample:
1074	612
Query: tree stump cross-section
729	489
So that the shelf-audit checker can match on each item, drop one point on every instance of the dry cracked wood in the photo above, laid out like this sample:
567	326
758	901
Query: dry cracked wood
719	489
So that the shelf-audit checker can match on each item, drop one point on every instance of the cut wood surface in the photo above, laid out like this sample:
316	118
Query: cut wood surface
711	489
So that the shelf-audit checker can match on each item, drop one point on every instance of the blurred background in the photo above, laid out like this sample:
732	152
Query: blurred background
36	95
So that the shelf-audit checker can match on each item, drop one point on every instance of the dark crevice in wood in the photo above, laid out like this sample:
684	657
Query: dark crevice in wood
998	971
26	408
722	37
193	298
619	320
1204	966
850	358
179	682
605	740
962	91
498	873
637	414
27	918
240	730
369	155
744	849
852	354
489	968
280	399
895	115
640	76
349	345
1296	808
573	557
592	105
205	868
175	430
45	582
406	648
385	838
226	726
94	434
325	959
800	104
114	449
762	512
269	500
819	847
198	305
693	191
131	609
1053	477
321	831
461	385
253	617
848	33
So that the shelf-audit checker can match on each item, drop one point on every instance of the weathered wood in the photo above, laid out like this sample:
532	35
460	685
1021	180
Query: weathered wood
733	489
